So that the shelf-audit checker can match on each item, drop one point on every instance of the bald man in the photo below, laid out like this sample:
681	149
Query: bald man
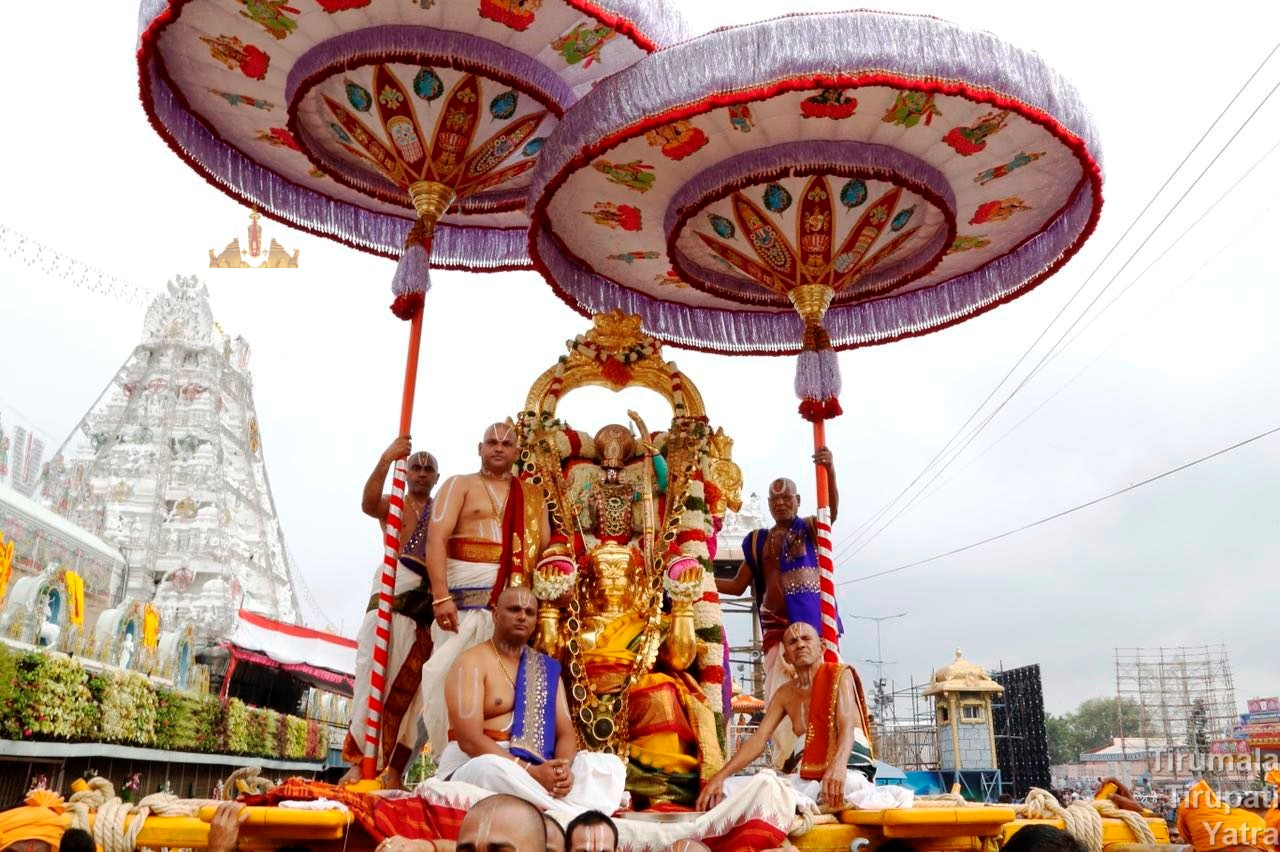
410	643
555	835
501	824
509	725
823	708
780	565
487	531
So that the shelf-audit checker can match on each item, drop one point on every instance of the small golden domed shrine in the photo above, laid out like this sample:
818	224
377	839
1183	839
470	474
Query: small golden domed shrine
961	675
962	692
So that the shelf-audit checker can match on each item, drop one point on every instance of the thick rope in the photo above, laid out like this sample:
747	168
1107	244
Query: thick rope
1137	824
251	777
1082	819
110	811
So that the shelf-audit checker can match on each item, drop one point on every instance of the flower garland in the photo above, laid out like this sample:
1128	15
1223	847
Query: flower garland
615	364
554	577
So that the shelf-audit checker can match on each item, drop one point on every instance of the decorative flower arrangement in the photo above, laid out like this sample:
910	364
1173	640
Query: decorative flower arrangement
317	743
207	717
295	738
129	790
49	698
128	709
169	717
236	721
263	731
683	580
554	577
38	782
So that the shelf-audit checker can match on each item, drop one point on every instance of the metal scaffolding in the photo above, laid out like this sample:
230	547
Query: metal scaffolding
902	725
1186	702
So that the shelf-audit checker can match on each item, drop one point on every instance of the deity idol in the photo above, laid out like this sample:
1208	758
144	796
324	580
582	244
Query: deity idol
630	660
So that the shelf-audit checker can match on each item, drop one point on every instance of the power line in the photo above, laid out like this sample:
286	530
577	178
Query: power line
1109	347
925	491
850	545
1065	512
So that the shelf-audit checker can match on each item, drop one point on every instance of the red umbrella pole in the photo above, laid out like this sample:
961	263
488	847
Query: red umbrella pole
390	562
826	564
430	200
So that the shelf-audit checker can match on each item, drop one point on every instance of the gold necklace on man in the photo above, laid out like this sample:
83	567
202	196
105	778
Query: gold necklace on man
501	664
493	502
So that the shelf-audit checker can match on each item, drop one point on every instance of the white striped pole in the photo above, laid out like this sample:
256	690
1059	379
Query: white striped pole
382	629
827	588
826	564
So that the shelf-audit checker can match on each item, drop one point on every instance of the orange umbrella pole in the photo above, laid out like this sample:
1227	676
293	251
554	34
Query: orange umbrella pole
412	282
826	562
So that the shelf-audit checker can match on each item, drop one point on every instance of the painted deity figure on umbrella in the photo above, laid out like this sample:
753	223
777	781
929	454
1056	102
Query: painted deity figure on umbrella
487	531
509	725
410	643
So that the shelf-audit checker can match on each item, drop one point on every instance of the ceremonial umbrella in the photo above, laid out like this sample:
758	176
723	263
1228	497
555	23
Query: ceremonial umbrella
385	125
814	183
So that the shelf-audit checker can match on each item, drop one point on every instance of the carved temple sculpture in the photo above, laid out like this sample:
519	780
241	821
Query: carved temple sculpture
627	594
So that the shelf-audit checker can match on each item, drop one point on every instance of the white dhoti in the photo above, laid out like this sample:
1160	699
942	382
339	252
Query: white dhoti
764	798
471	584
856	787
599	780
403	631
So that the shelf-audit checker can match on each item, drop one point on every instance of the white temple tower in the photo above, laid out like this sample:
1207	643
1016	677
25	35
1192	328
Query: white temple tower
168	466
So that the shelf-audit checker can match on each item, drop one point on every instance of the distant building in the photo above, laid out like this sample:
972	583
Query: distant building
167	465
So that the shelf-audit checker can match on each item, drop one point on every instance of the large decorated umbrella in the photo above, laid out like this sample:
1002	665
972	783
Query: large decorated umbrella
815	183
404	128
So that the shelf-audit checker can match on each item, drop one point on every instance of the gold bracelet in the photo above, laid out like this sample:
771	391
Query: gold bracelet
439	601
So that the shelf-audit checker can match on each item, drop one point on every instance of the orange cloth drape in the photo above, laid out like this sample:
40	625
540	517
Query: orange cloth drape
39	819
150	627
75	598
1207	824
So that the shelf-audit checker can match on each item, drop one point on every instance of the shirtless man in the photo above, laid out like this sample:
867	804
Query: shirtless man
410	643
780	565
487	531
521	743
821	765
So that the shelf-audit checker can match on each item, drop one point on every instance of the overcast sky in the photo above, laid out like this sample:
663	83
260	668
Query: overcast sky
1178	370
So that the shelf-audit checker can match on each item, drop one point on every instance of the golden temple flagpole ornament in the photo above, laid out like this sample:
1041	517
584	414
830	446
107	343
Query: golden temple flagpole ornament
234	257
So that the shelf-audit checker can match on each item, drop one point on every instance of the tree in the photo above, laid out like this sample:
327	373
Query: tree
1095	723
1062	743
